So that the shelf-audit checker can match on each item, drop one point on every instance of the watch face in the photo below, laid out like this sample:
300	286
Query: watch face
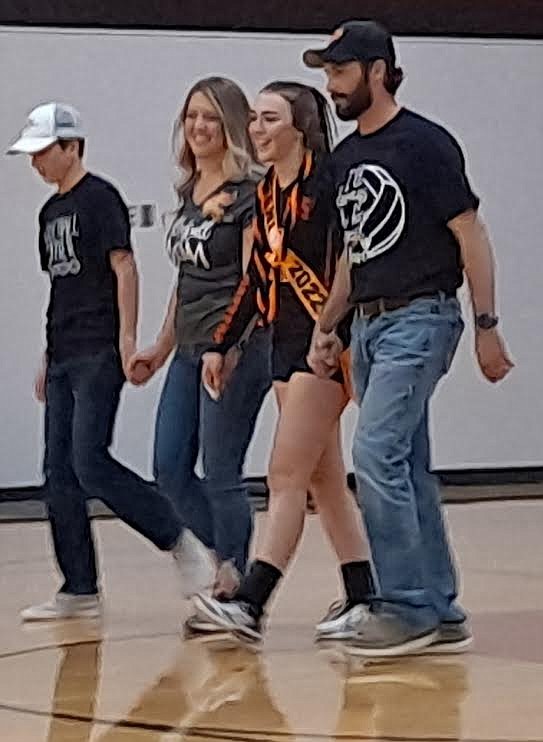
486	321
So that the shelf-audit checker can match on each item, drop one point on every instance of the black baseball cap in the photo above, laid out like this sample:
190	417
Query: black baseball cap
354	41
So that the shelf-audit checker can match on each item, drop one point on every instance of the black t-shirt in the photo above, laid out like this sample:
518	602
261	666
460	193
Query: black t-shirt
396	190
78	230
209	255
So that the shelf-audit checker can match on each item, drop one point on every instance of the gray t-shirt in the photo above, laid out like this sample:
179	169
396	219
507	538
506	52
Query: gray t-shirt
209	255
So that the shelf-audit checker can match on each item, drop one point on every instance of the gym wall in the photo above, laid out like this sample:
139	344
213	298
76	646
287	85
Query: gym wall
129	84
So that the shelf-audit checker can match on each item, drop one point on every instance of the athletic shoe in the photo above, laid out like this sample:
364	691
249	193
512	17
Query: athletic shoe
64	606
453	637
384	634
234	616
343	621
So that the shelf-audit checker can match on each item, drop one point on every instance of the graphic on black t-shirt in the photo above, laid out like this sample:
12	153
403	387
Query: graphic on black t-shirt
60	237
397	191
205	243
372	210
187	241
78	231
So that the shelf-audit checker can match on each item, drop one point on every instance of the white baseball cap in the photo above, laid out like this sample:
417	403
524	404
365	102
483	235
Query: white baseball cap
45	125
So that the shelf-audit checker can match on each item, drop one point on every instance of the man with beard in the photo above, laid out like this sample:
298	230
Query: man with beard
411	230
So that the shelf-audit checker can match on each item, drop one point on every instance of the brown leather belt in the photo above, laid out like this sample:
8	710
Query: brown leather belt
374	308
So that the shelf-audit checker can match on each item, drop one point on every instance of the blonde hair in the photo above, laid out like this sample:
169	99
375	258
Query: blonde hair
233	108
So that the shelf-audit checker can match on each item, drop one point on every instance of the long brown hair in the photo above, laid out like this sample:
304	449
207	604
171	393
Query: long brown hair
233	108
311	113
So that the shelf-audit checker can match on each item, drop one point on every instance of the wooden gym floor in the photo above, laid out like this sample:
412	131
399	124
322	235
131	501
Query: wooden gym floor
131	677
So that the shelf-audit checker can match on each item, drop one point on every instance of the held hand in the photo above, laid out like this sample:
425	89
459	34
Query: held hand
213	374
492	356
323	356
142	366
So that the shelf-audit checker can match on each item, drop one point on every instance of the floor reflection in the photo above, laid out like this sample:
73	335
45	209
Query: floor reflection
207	691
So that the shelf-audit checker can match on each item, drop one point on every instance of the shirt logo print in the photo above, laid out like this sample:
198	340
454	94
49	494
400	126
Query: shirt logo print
60	238
186	242
373	212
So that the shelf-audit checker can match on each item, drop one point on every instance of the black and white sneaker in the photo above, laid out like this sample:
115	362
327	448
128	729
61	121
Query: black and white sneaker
343	621
194	627
233	616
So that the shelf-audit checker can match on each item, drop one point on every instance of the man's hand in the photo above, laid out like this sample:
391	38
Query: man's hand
493	358
143	366
324	352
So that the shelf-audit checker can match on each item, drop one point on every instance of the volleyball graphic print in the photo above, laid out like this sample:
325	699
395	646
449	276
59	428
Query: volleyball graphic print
373	212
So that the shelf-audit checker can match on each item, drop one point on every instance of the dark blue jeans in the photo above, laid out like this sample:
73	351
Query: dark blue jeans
216	508
82	396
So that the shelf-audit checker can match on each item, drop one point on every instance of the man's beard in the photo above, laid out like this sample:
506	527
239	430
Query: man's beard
349	108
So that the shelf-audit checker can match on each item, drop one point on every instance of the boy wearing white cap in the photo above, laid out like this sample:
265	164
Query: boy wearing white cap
85	246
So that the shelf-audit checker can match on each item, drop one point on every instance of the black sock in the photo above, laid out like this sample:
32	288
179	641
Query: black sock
358	582
258	585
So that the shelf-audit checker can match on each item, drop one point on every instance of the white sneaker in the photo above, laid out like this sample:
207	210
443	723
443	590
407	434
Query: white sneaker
232	615
342	622
64	606
194	563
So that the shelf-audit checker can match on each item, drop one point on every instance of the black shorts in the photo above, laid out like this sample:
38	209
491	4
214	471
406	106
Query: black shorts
289	357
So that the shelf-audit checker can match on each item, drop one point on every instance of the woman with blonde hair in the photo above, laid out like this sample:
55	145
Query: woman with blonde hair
295	253
209	242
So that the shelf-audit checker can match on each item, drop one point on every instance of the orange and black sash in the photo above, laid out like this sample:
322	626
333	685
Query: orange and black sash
272	262
286	265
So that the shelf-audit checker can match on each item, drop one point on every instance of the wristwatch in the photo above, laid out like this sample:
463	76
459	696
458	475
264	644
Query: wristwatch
485	321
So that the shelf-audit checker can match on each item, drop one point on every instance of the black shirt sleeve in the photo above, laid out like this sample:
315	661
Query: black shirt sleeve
445	170
115	221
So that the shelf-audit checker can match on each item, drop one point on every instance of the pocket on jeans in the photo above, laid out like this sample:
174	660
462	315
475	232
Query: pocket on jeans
418	340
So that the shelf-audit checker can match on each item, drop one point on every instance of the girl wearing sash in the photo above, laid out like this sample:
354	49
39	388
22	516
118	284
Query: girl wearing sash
295	251
209	242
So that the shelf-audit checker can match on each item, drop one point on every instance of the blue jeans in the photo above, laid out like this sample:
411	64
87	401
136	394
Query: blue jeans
82	396
398	359
216	508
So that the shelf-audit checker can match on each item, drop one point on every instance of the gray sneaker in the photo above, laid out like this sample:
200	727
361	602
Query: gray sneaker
64	606
452	638
385	635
